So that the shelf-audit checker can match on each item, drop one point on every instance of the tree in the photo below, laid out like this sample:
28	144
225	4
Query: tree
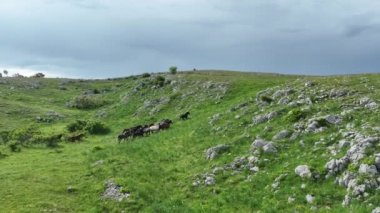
173	70
1	75
38	75
5	72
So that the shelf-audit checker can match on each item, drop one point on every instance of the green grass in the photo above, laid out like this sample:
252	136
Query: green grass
159	169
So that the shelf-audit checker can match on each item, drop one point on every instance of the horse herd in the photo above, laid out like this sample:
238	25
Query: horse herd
141	130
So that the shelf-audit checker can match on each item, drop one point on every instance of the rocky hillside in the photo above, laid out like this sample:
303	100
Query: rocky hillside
252	142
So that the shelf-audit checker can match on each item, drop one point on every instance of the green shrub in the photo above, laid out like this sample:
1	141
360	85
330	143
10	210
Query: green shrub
96	128
92	127
24	136
76	126
87	101
4	137
265	98
295	115
51	141
173	70
146	75
353	168
159	81
14	146
369	160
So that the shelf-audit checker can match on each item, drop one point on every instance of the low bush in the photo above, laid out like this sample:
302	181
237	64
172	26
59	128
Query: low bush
96	128
92	127
267	99
159	81
4	137
24	136
295	115
76	126
51	141
87	101
14	146
146	75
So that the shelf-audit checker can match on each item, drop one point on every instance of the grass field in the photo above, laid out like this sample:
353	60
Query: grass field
159	170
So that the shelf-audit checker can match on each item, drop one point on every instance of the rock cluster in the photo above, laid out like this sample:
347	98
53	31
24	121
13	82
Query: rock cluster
114	192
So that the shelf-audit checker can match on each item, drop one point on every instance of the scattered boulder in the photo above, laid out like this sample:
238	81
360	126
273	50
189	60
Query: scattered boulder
282	135
333	119
264	118
335	166
269	148
346	201
303	171
215	151
376	210
368	103
337	93
258	143
367	169
209	181
377	161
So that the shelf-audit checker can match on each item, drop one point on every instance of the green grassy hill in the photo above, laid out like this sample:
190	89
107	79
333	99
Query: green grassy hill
269	124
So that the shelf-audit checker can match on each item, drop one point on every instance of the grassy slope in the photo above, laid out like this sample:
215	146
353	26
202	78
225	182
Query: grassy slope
158	170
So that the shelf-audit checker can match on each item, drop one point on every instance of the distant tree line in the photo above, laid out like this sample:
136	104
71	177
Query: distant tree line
18	75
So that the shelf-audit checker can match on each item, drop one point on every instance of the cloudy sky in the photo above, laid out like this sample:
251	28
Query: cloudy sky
104	38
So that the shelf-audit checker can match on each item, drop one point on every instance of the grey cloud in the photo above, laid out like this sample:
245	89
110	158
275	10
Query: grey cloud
99	38
357	30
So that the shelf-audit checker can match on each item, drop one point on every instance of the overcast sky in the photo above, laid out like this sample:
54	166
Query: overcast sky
104	38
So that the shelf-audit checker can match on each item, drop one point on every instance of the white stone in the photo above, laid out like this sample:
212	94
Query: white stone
367	169
209	181
377	210
269	148
310	198
303	171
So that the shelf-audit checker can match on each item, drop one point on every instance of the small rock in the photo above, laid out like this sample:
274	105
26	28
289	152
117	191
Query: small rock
358	190
196	183
377	210
333	119
114	192
275	185
269	148
377	161
254	169
217	170
71	189
303	171
209	181
258	143
310	198
309	84
346	201
336	93
215	151
343	143
282	134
